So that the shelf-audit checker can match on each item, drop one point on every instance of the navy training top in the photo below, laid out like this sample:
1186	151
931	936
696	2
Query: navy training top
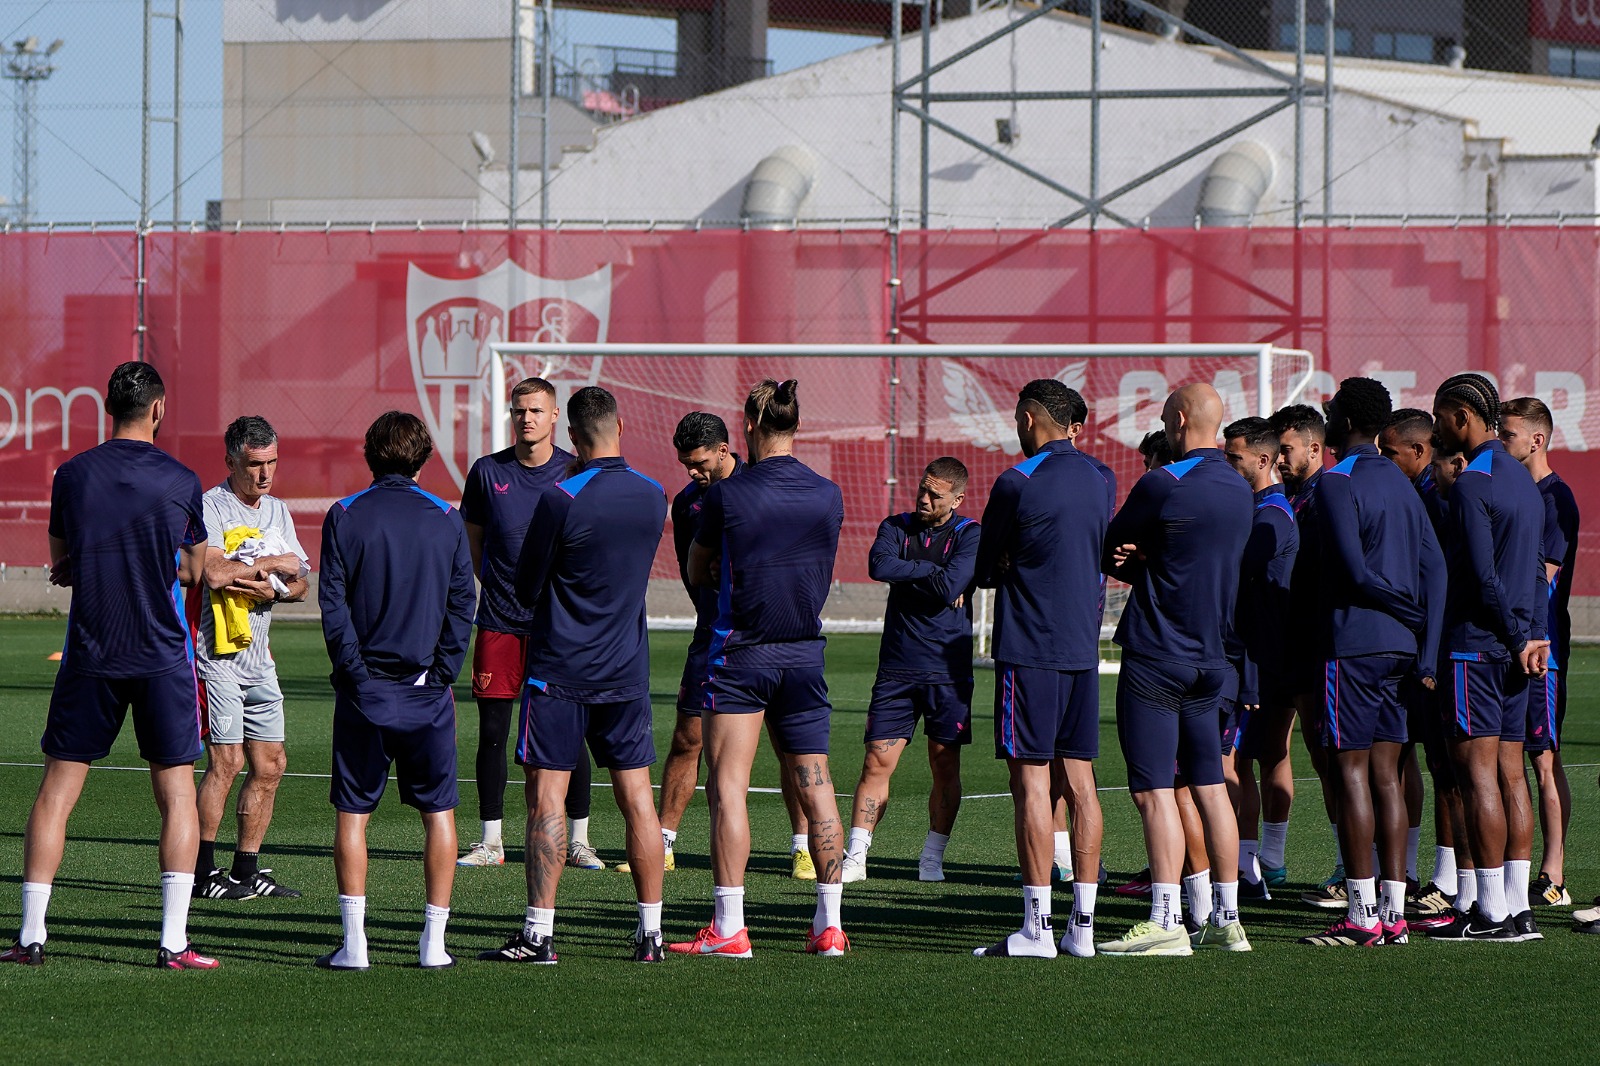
687	507
1191	521
1494	547
500	496
583	574
1261	617
1383	572
1560	547
126	509
1040	550
395	585
775	529
927	569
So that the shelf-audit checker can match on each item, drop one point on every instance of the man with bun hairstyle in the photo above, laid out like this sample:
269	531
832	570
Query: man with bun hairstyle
767	543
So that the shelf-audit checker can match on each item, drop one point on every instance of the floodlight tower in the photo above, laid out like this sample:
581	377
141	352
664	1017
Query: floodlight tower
26	66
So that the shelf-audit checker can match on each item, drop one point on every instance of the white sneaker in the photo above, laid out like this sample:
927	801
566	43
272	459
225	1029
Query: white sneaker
1587	915
851	871
930	868
482	854
583	857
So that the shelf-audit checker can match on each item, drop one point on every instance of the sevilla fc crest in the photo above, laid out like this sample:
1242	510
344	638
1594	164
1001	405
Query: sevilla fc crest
451	323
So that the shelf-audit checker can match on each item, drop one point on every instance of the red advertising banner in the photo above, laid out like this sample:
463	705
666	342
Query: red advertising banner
1577	21
321	332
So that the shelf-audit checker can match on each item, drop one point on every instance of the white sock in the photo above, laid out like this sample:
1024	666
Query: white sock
494	832
1466	889
1413	840
1063	857
1166	908
577	831
1517	871
1225	911
1444	870
827	916
669	837
728	915
35	901
1338	848
1197	894
856	849
430	949
1492	894
799	842
176	889
1035	939
539	921
1274	838
1249	863
1363	906
650	919
353	915
1392	904
933	847
1078	940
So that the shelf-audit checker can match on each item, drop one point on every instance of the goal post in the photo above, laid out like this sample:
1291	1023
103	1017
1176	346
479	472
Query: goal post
873	415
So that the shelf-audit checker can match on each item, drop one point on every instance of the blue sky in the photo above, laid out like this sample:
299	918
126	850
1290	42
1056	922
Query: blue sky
88	146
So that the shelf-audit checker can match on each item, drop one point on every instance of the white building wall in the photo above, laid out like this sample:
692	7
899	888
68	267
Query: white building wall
692	161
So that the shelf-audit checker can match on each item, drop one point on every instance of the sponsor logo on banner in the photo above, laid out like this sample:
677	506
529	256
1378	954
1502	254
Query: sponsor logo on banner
451	323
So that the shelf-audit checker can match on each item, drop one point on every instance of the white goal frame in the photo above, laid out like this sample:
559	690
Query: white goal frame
1265	356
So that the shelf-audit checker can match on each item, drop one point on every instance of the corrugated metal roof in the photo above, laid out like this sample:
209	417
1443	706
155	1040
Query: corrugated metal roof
1534	115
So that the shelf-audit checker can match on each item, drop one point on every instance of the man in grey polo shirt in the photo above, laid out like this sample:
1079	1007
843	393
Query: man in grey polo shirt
253	560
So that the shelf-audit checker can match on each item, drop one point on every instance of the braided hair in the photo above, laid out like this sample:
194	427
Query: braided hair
1474	392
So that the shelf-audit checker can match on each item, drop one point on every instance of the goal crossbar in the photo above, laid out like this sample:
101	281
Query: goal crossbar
1263	355
546	354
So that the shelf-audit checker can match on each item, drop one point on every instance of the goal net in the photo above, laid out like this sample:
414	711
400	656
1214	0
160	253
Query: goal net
873	416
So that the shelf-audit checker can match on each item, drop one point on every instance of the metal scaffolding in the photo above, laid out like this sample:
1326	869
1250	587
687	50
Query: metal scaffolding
26	67
914	96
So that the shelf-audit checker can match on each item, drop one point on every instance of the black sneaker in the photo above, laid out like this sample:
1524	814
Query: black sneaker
1432	902
263	885
647	948
1544	892
540	950
1522	925
25	955
218	885
1475	926
325	962
1256	892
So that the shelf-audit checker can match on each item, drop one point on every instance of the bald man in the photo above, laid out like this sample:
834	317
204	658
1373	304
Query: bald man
1179	542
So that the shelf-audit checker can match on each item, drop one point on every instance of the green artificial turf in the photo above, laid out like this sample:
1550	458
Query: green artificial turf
908	992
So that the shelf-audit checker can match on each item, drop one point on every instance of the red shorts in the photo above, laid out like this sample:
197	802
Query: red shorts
497	665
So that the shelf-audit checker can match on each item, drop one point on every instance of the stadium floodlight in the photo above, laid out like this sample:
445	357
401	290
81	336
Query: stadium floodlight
949	398
29	46
55	46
